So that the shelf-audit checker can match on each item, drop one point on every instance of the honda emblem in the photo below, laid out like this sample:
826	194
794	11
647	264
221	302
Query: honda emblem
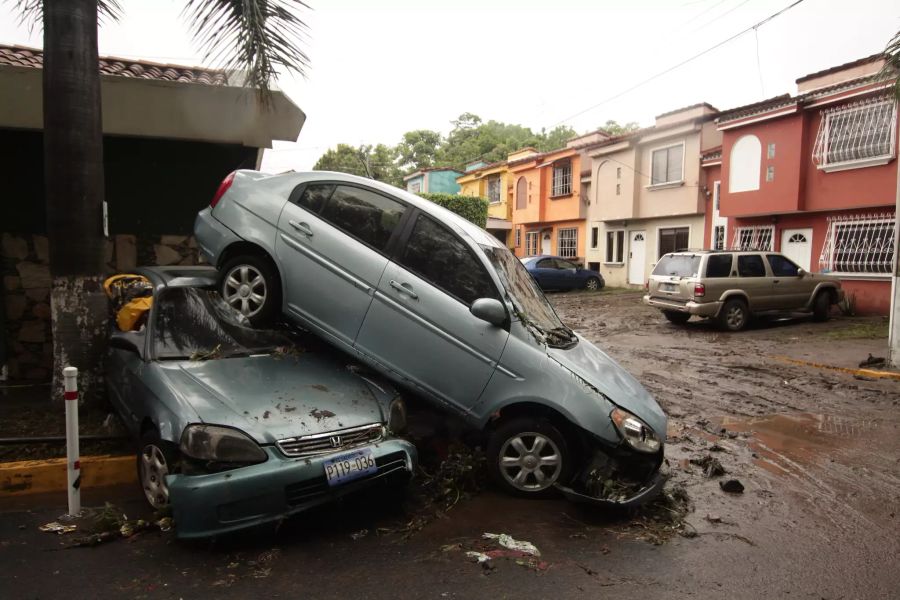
335	441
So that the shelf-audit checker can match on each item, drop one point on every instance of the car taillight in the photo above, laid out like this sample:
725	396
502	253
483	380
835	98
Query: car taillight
699	290
223	187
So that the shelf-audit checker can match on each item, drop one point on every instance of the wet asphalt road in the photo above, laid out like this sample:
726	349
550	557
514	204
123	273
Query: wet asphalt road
818	453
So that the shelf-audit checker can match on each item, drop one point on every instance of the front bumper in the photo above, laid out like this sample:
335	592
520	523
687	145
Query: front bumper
218	503
700	309
648	492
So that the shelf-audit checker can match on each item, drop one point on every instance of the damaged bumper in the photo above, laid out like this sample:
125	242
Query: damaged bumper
643	495
219	503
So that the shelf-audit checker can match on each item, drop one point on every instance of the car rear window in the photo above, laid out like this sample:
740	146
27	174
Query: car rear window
751	266
679	265
718	265
782	267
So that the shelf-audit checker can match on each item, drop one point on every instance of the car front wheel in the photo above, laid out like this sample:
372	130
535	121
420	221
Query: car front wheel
734	315
592	284
156	459
527	456
250	285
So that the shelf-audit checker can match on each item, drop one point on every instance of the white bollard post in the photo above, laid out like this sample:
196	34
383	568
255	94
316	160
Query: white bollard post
73	461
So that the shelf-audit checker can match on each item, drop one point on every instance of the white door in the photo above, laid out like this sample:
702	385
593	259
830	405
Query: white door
546	248
636	257
796	244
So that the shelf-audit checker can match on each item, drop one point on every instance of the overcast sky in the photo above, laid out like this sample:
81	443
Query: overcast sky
418	64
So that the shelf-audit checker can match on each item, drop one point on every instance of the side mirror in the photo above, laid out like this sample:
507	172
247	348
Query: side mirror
129	341
801	272
490	310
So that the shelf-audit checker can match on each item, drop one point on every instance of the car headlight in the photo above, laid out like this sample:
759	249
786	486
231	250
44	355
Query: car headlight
397	415
220	447
638	434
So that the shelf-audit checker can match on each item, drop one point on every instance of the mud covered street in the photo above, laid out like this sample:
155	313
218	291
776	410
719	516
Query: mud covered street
817	452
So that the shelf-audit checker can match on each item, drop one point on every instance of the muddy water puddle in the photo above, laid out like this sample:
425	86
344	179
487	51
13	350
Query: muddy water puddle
788	444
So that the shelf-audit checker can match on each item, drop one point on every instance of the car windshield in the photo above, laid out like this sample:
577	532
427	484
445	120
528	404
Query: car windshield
678	265
528	299
196	324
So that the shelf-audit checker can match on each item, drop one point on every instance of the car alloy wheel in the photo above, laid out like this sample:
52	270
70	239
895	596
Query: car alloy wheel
530	461
735	316
593	284
154	467
244	288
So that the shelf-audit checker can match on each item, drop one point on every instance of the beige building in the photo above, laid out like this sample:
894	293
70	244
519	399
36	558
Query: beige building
647	194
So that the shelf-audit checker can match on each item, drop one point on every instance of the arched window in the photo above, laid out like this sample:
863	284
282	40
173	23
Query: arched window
746	156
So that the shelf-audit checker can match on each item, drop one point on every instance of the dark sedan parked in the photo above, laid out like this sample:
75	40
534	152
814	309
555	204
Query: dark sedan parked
555	273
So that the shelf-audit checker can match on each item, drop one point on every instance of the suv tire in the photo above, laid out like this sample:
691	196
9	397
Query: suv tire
250	284
679	318
734	315
524	446
821	306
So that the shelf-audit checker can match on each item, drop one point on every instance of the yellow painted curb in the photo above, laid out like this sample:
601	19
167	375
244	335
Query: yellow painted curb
860	372
41	476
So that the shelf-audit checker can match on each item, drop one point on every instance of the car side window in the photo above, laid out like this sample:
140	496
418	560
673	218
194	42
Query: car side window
546	263
564	264
437	255
751	265
315	195
782	267
367	216
718	265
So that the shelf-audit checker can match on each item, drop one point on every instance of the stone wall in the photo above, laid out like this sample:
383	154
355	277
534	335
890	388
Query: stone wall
25	272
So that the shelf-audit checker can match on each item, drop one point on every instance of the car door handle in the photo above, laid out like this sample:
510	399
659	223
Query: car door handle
302	228
404	288
776	281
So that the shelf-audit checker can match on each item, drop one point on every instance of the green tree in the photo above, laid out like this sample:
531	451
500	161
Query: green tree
417	149
615	128
556	138
258	37
471	139
375	162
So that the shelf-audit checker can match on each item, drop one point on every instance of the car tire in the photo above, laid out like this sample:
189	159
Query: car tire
821	307
515	455
250	284
156	458
679	318
734	315
593	284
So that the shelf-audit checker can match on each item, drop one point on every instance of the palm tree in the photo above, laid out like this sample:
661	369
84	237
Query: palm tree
892	63
258	37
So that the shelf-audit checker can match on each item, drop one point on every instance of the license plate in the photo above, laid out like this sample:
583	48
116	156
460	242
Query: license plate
347	467
668	287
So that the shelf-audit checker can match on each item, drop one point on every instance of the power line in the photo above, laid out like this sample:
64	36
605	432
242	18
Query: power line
762	88
681	64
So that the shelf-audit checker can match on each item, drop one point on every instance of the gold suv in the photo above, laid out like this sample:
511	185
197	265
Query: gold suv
731	287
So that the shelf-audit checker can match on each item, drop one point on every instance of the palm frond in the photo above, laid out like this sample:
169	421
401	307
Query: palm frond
31	12
891	68
257	37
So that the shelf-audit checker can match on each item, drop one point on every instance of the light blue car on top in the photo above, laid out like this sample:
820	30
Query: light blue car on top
444	309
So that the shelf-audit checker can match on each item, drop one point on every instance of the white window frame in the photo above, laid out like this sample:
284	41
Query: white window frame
659	231
532	243
665	184
758	235
821	150
718	241
863	224
595	229
618	253
569	235
561	186
487	185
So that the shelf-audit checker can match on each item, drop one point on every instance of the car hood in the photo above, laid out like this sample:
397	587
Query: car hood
276	396
594	366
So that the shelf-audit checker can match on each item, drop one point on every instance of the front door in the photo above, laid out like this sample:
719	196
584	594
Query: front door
636	257
419	325
546	247
796	244
331	244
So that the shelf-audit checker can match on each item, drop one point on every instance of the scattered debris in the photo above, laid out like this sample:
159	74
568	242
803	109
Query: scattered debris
212	354
359	534
710	465
508	542
732	486
525	554
58	528
109	523
320	414
714	518
873	361
580	536
480	557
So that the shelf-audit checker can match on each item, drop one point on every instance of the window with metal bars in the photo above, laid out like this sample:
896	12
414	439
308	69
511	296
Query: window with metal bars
858	134
562	179
518	237
567	242
531	243
859	244
758	237
719	237
493	190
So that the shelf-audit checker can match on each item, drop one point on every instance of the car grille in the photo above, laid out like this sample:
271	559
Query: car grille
318	488
333	441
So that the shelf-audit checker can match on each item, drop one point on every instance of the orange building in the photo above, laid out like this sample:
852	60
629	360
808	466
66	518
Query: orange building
549	212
